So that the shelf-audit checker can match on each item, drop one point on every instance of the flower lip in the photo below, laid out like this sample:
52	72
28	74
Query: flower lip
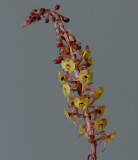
68	65
85	77
81	103
100	123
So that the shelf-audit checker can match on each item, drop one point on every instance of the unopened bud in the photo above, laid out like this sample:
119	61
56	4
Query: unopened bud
35	10
32	13
47	19
58	60
72	38
42	10
57	7
38	18
57	31
65	19
77	46
53	19
59	43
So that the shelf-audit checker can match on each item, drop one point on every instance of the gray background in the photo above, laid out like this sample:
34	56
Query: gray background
32	124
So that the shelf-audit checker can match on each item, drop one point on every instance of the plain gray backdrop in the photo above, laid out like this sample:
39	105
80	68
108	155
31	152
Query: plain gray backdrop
32	124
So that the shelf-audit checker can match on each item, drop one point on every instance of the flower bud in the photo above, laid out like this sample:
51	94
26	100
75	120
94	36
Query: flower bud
47	19
65	19
59	43
42	10
53	19
35	10
72	38
58	60
77	46
57	7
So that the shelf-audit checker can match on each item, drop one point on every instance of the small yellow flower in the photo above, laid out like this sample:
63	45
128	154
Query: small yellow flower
100	124
85	77
66	89
110	137
71	102
82	131
90	63
102	110
68	65
98	93
86	54
61	78
67	114
81	103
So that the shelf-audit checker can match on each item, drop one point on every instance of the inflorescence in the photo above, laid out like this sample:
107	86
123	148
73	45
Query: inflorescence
76	82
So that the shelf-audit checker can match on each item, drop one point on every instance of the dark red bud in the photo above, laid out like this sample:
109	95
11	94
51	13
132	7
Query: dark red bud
57	7
53	19
42	10
35	10
32	13
59	43
57	31
65	19
47	10
72	38
47	19
38	18
77	46
58	60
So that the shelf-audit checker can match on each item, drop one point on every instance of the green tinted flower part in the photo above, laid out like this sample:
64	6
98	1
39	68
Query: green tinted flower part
68	65
110	137
98	93
100	124
90	63
85	77
82	131
101	110
67	114
66	89
81	103
86	53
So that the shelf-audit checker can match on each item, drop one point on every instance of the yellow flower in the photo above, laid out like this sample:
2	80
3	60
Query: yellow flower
86	54
98	93
82	131
85	77
110	137
61	78
81	103
67	114
71	102
102	110
68	65
90	63
100	124
66	89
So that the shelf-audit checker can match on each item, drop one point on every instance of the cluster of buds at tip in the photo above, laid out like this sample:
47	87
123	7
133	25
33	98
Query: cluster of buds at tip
76	81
